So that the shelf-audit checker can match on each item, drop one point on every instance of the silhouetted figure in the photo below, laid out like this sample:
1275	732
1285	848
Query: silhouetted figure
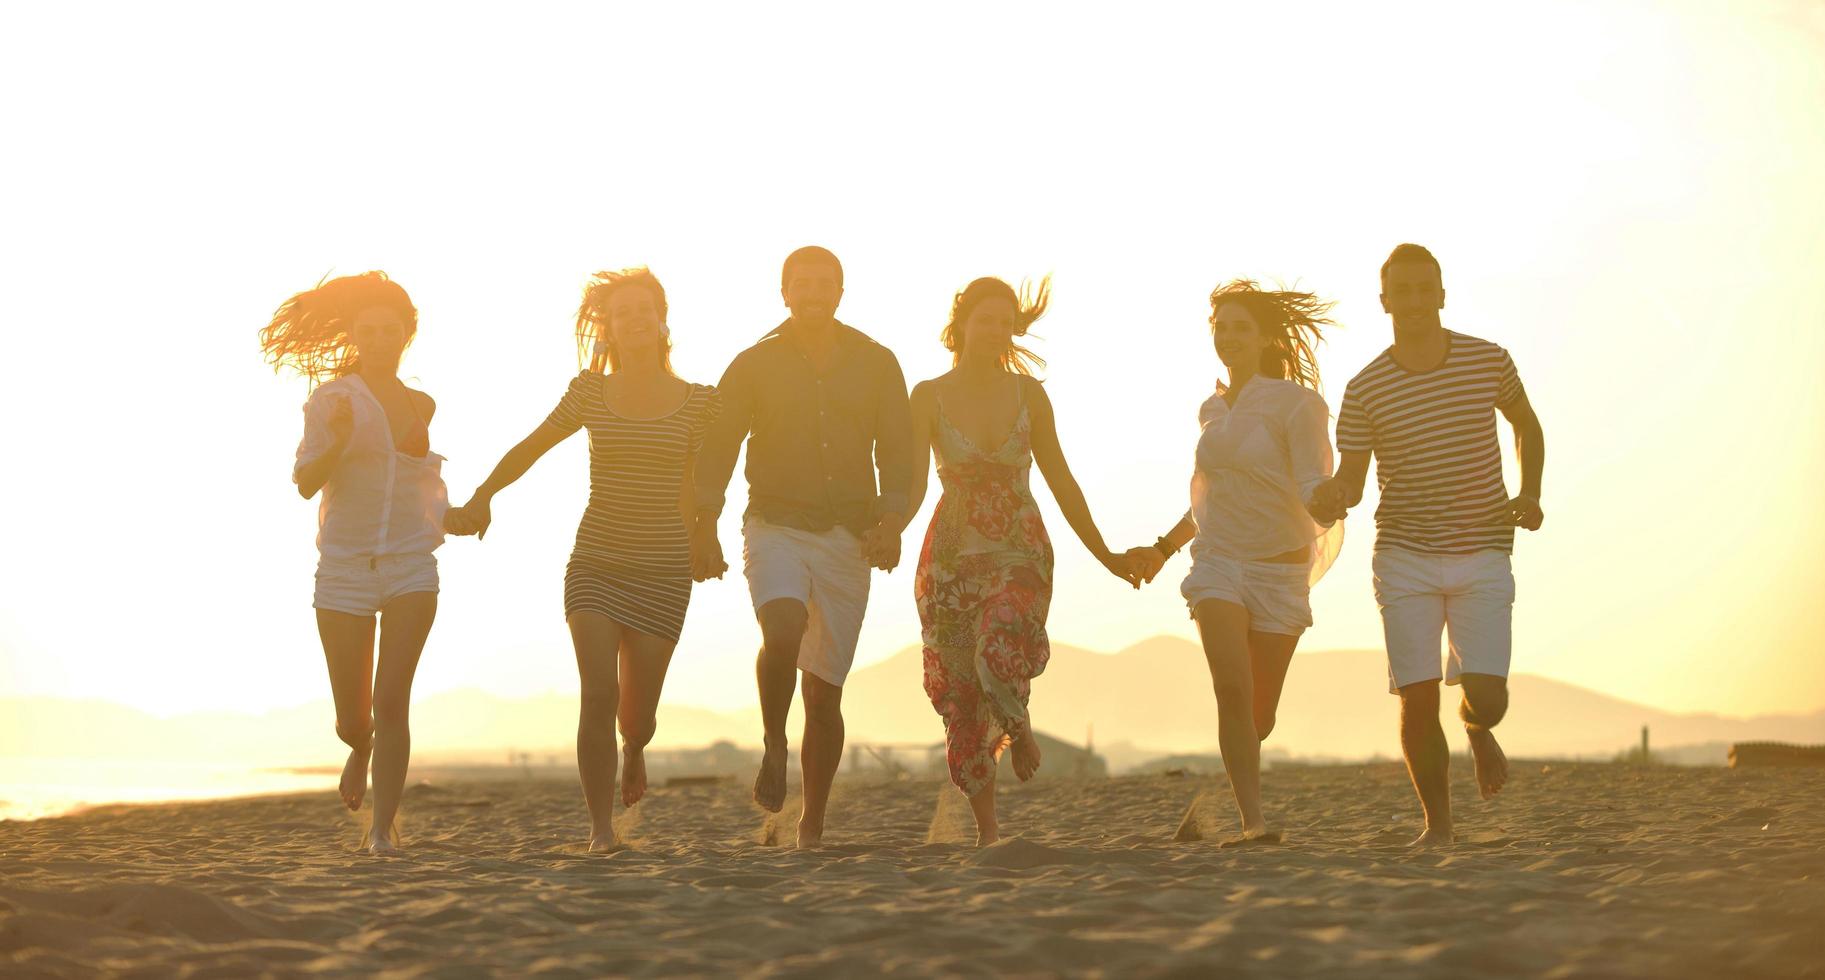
821	405
1256	550
367	447
1445	526
629	578
984	581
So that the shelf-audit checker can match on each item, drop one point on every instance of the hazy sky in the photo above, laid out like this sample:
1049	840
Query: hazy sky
1625	195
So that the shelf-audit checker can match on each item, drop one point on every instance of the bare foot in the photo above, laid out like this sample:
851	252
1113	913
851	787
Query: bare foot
1434	837
354	785
770	782
986	836
381	842
809	836
1026	755
605	843
633	775
1491	764
1260	836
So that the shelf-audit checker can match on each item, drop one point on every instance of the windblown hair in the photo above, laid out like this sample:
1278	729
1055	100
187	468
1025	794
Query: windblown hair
310	332
1291	324
595	341
1029	306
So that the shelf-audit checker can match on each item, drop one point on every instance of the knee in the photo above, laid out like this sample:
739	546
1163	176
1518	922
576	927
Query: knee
1484	708
390	713
823	702
638	732
598	704
782	627
1419	703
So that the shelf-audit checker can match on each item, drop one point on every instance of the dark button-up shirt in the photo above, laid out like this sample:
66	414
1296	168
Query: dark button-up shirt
815	441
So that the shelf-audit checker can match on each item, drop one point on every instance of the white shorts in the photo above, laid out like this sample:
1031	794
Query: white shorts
362	586
1276	594
824	570
1420	595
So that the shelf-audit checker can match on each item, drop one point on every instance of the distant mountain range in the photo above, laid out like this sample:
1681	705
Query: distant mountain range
1151	700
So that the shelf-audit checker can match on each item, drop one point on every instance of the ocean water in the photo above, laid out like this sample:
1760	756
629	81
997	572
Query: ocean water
31	789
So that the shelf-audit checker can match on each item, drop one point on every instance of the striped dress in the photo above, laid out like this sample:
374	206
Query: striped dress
1433	434
632	559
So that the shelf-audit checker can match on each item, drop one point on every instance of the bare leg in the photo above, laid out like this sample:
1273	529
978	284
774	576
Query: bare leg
644	659
1026	753
1269	656
1485	703
1422	741
405	622
819	754
597	640
988	831
1223	626
348	648
782	628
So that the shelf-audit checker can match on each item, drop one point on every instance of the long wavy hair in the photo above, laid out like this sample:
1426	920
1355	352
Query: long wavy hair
595	341
1292	323
1029	305
310	331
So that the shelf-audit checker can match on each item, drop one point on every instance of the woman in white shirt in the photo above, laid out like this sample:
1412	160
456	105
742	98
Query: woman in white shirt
1255	550
367	447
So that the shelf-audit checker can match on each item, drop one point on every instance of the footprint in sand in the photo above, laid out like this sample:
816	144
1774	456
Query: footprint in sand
1019	854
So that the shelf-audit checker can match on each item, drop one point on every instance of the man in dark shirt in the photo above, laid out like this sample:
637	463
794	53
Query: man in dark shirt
823	408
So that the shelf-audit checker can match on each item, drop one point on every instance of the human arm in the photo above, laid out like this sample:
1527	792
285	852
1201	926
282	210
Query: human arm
1049	456
1148	559
329	421
1530	445
475	516
895	460
715	464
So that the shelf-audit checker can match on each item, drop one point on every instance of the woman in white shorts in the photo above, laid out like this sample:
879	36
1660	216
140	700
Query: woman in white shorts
367	446
1255	550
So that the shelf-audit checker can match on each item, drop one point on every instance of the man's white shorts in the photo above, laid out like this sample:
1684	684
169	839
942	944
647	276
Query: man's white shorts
1276	594
1423	595
824	570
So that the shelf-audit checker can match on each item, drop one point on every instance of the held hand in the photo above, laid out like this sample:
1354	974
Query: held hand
1525	512
471	518
881	547
706	554
1327	502
1122	567
1146	561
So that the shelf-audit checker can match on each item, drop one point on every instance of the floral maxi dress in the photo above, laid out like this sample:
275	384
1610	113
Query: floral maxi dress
983	586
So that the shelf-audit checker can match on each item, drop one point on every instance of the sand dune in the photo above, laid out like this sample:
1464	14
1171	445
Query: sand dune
1578	870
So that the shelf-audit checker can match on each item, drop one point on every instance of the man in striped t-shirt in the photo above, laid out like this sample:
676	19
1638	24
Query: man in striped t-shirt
1426	409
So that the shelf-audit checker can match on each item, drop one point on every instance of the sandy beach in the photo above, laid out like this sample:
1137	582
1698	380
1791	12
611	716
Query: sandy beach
1577	871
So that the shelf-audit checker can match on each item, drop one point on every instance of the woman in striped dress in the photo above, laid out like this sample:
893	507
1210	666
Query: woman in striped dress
629	578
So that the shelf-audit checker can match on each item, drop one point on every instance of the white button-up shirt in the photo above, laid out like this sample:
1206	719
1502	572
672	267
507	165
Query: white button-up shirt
378	501
1257	465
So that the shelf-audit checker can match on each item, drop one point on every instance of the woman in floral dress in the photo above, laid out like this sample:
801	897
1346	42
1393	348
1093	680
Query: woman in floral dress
984	580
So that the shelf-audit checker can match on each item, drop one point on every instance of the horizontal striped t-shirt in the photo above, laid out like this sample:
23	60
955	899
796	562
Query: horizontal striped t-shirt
1433	434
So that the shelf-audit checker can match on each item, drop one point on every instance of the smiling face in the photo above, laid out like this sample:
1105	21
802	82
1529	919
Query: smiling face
1413	294
1237	335
635	325
379	334
812	291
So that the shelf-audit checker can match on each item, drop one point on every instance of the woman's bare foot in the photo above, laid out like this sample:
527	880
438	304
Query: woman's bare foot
770	782
1491	764
1260	836
605	843
1026	755
1434	837
354	785
633	775
809	836
383	842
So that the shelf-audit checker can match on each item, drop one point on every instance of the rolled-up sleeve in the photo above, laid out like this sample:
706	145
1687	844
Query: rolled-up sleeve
722	438
893	446
1309	443
317	437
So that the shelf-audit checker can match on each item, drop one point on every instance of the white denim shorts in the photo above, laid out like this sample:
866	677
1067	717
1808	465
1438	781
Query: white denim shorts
363	586
1277	595
1423	595
824	570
